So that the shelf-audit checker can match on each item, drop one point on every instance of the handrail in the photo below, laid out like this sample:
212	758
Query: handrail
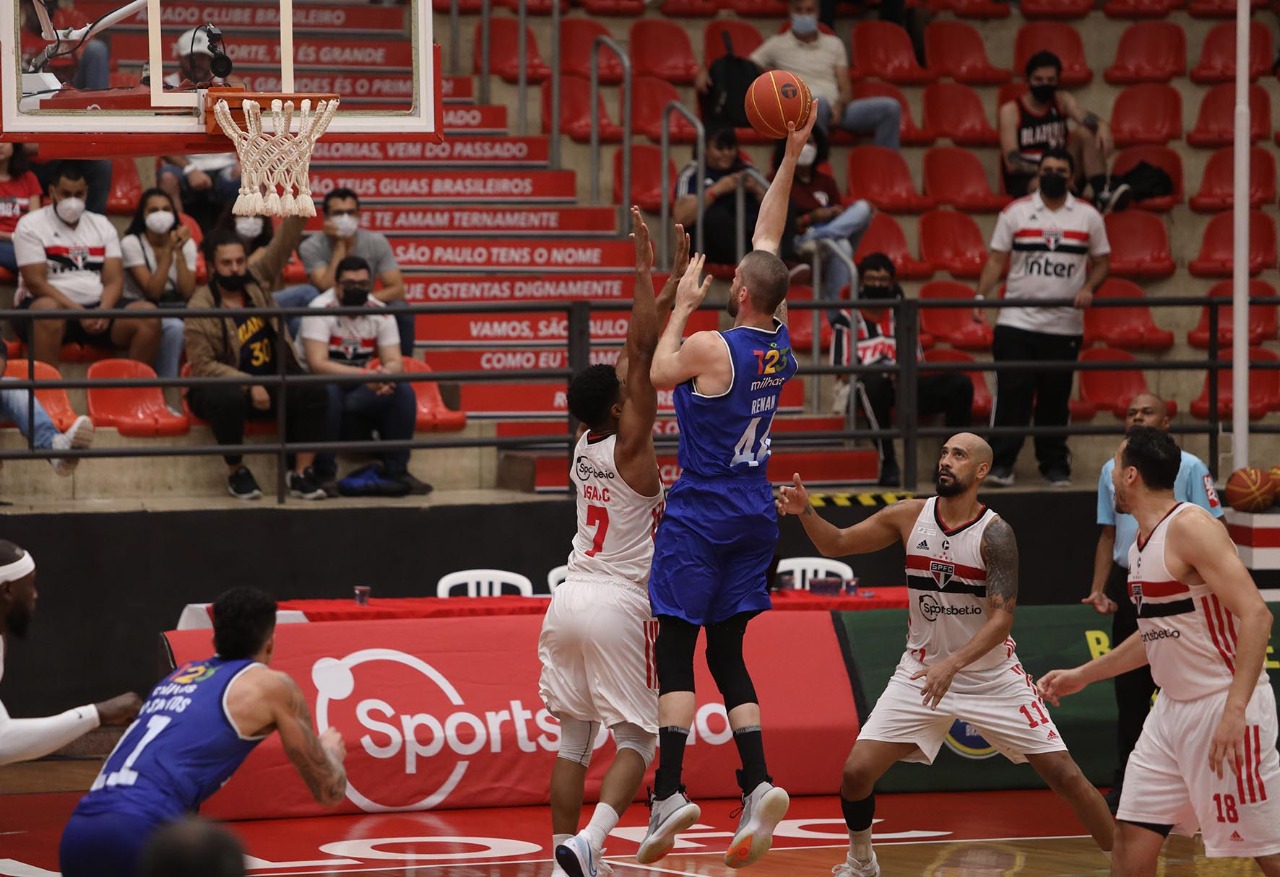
455	38
554	153
828	246
522	62
624	197
700	151
485	10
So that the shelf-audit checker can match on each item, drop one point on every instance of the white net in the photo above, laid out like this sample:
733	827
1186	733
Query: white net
274	164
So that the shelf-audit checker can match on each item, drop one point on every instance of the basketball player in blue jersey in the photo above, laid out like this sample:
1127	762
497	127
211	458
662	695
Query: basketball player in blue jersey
194	730
717	536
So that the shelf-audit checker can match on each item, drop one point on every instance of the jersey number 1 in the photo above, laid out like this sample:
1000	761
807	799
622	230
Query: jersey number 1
598	517
126	775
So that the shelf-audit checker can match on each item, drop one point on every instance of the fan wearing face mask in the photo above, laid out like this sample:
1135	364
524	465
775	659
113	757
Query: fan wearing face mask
159	259
1045	118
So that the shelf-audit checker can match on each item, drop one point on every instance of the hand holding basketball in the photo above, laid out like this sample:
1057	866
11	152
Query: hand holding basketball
1250	490
775	99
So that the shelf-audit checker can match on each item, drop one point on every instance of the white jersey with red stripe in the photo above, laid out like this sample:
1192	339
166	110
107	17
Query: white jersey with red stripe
947	582
615	523
1190	637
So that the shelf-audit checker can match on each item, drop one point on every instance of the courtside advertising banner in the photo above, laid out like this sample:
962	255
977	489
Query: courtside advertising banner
445	713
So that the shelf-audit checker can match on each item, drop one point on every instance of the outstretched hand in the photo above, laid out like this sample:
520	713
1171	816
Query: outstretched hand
690	293
1057	684
640	234
798	137
792	500
668	294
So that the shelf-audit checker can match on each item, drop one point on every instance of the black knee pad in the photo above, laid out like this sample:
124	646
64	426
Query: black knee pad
673	654
724	660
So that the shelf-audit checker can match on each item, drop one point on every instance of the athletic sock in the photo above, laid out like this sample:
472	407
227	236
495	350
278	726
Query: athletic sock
557	839
858	816
666	780
750	743
602	822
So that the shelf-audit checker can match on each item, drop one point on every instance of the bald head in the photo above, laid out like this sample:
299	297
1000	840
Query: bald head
1147	409
975	445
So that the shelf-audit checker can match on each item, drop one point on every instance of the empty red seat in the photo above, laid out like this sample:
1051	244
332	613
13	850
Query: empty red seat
884	235
577	36
504	52
1147	114
955	111
54	399
133	411
880	175
661	48
433	414
955	177
126	187
982	400
909	134
690	8
882	50
757	8
533	7
1057	9
575	112
955	326
1215	248
1139	8
1061	39
951	242
1215	125
1129	327
1217	185
1262	318
1113	390
800	324
1149	51
742	34
629	8
1139	245
955	50
1218	8
646	177
1158	156
1264	389
979	9
649	98
1218	54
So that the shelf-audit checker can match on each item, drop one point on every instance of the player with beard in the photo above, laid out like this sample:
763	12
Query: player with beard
960	663
27	739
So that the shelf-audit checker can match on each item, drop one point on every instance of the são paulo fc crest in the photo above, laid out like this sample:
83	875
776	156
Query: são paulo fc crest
942	572
964	740
1052	237
1135	592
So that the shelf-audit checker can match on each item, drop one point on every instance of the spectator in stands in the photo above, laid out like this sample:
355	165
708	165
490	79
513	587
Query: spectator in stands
821	61
345	345
246	347
342	237
875	343
35	425
193	847
69	259
256	232
19	195
1056	249
720	220
83	64
1037	121
159	259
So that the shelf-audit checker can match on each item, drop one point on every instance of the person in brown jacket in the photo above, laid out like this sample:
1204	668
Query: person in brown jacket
244	346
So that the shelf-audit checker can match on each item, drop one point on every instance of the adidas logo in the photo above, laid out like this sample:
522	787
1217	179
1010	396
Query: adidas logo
923	546
1235	836
1053	735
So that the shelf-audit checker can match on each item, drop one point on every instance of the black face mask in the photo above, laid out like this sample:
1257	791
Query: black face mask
1043	94
355	296
232	282
1053	185
879	291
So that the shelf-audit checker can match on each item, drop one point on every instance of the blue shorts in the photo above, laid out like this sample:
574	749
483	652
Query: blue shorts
104	845
713	551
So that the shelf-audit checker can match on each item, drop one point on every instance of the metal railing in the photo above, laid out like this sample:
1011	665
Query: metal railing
624	108
700	159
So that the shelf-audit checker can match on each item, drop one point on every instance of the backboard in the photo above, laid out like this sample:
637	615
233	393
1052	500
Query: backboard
143	85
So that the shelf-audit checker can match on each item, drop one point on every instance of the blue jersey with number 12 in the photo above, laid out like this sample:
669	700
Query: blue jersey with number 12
728	435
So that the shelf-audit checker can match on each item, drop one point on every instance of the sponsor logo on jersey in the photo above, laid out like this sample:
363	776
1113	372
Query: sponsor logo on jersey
964	740
1235	836
586	471
189	674
931	609
942	572
946	544
923	545
926	531
1150	636
1053	735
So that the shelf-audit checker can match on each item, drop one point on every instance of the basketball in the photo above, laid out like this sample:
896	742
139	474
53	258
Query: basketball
1274	472
1250	490
776	98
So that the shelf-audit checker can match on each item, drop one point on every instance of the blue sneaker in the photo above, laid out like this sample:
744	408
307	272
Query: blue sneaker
578	859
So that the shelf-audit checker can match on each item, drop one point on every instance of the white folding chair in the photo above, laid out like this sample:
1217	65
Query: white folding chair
557	576
483	583
805	568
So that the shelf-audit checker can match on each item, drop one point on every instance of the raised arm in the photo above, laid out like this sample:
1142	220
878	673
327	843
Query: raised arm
772	219
881	530
675	362
317	759
633	452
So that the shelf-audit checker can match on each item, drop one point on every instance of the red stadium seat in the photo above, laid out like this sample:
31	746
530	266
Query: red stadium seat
54	399
126	187
133	411
955	177
1215	248
1215	125
1149	51
1218	54
628	8
575	112
982	400
800	324
504	52
742	34
908	133
1114	390
955	112
1130	327
951	242
661	48
1139	8
880	175
1139	245
577	35
1057	9
1158	156
1147	115
956	326
1218	8
1061	39
979	9
884	235
757	8
1264	389
646	177
1217	185
955	50
649	97
1262	318
882	50
690	8
433	414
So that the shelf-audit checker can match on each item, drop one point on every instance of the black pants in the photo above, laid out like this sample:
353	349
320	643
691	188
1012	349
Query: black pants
228	408
1133	689
950	395
1046	394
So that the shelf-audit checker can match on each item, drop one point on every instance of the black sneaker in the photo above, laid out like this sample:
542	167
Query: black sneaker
416	487
242	485
304	486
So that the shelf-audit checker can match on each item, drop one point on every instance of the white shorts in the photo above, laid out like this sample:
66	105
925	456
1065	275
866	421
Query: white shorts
1001	704
596	649
1168	780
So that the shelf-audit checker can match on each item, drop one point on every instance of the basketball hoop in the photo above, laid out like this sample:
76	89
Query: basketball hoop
274	165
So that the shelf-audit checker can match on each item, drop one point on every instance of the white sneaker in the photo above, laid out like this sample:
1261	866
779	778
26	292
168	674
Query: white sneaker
854	868
578	859
667	818
762	810
79	436
1000	477
840	398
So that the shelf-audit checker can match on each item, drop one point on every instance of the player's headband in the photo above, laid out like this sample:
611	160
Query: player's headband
23	566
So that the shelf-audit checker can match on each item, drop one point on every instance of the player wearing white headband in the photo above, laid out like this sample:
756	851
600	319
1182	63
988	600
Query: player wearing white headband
26	739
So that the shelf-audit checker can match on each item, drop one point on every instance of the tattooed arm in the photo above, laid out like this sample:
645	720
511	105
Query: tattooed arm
318	759
1000	554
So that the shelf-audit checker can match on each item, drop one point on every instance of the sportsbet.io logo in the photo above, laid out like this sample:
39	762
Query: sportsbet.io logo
931	608
964	740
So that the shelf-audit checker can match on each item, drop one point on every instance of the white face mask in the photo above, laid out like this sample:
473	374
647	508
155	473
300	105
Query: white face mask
160	222
69	210
248	227
808	154
345	225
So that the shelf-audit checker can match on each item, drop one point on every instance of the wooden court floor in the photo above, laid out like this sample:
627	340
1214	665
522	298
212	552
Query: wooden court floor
955	834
